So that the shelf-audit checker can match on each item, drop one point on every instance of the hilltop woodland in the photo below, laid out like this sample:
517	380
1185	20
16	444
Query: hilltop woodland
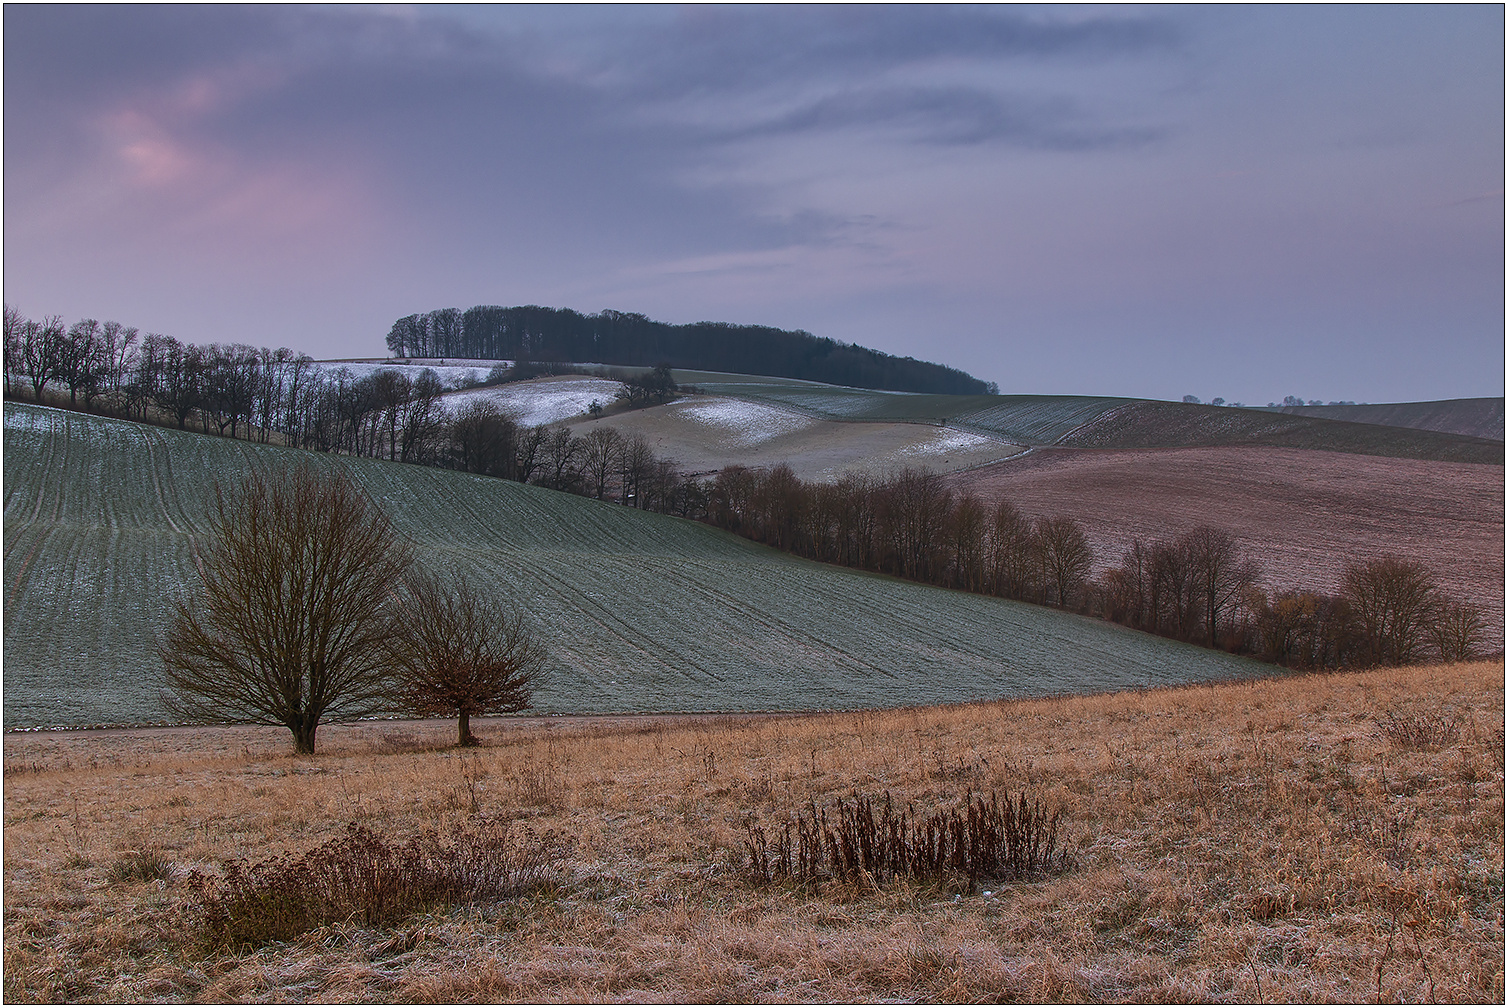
611	337
1198	587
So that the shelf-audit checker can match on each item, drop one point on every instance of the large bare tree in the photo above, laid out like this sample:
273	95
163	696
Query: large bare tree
460	654
293	625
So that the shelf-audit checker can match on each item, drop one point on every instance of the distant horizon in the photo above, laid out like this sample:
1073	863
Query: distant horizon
1144	202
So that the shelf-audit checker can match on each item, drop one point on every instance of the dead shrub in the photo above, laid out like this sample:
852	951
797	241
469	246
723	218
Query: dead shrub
364	877
981	838
1421	730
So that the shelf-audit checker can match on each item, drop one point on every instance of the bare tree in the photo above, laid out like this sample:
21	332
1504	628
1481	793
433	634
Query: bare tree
79	365
966	543
1458	630
915	505
561	452
531	450
601	456
295	617
1222	577
39	350
457	653
635	461
483	439
1065	556
1012	548
1394	604
14	320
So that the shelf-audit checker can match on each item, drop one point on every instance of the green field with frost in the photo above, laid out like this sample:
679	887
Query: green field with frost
641	612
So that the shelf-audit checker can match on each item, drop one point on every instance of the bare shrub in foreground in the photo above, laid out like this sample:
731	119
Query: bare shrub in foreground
982	838
1422	730
362	876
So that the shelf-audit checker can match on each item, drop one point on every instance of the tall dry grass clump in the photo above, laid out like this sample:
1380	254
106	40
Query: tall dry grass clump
984	837
1315	838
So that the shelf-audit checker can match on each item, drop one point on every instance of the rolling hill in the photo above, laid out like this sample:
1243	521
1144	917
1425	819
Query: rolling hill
642	612
1474	417
823	431
1304	515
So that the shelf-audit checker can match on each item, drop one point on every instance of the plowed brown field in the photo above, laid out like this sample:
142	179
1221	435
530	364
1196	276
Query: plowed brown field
1305	515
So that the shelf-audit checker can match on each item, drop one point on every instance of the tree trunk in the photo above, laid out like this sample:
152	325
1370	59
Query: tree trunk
303	737
465	737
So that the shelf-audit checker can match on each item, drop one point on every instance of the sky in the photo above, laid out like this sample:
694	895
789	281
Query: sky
1245	202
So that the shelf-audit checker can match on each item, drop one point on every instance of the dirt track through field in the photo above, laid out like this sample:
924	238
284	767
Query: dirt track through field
1305	515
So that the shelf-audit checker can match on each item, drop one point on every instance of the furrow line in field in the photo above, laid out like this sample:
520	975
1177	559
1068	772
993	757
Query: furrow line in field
54	454
156	471
675	658
582	602
41	537
753	615
1107	415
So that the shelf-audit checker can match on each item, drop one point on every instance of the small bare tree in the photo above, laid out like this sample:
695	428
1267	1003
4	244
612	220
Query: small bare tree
1459	629
1222	576
295	617
1065	557
458	653
1394	603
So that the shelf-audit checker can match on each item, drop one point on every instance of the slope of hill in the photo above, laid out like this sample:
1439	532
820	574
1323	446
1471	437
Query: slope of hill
1024	420
1148	424
1107	422
1481	418
702	434
642	612
1305	515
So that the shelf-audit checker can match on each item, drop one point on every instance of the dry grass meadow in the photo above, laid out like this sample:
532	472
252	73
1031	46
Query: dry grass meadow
1321	838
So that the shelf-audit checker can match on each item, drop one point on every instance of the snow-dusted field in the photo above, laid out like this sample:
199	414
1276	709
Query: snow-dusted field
640	612
705	433
453	372
542	400
743	424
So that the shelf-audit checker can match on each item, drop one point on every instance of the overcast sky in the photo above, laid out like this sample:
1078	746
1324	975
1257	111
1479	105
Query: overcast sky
1248	202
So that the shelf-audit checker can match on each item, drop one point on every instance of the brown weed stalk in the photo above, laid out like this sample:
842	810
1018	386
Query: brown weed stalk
985	837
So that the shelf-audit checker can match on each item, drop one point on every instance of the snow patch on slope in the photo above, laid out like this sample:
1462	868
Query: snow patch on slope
745	424
453	372
544	400
946	440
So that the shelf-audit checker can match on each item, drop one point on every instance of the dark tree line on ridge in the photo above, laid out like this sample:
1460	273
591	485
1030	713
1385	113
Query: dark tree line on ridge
530	332
1199	587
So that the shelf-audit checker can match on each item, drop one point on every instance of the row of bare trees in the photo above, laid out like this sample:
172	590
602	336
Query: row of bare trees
235	390
1387	612
910	525
1201	587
